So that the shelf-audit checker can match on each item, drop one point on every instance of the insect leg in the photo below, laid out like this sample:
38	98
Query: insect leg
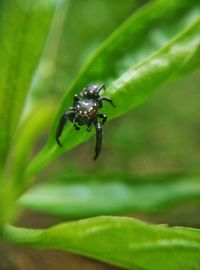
90	125
76	99
99	134
103	116
68	115
61	125
101	87
74	123
108	100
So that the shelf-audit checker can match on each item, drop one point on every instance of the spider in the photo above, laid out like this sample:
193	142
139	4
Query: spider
85	112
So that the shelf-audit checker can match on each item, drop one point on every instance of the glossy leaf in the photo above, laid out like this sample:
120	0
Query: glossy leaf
145	52
24	26
125	242
89	196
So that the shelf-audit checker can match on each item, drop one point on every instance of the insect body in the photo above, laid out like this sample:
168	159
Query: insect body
85	112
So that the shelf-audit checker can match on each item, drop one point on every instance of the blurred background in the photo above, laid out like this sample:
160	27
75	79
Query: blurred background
158	138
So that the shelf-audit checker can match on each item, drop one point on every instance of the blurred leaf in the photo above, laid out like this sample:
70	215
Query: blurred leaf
33	127
24	26
125	242
149	30
51	62
89	195
68	45
7	198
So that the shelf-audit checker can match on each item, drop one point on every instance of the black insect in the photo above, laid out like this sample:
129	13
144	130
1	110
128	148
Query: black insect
85	112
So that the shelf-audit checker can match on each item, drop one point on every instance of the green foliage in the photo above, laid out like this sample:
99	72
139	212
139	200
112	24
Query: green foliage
171	58
21	43
158	43
122	241
71	45
83	196
35	125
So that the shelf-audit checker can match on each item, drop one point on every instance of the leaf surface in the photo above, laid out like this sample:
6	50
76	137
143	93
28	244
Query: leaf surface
125	242
24	26
85	196
34	126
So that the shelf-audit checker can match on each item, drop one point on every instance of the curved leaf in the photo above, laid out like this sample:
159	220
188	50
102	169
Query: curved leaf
126	242
24	26
133	87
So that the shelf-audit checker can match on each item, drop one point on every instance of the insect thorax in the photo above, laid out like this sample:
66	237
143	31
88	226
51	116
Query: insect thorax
86	108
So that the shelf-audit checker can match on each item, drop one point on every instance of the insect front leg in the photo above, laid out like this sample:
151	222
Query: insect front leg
68	115
108	100
60	127
101	87
99	134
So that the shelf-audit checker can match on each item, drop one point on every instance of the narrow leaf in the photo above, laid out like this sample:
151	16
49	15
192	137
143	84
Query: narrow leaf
51	62
89	196
125	242
34	126
24	26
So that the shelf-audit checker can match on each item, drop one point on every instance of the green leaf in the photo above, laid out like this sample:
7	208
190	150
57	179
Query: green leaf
33	127
146	51
85	196
7	198
24	25
125	242
51	62
68	45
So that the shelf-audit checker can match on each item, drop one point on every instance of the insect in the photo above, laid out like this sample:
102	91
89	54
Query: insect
85	111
